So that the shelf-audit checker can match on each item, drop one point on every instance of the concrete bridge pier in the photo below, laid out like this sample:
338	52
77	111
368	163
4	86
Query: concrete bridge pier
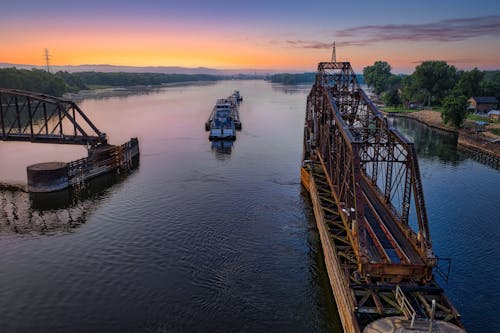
48	177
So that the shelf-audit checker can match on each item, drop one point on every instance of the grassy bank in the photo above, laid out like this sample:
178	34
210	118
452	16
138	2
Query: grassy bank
392	109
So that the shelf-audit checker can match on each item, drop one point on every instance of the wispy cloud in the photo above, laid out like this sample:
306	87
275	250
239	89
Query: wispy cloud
442	31
309	44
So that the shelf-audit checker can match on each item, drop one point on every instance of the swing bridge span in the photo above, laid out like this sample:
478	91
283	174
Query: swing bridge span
365	187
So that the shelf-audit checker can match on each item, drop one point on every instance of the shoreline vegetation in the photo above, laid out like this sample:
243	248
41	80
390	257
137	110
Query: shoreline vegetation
60	83
437	95
486	142
300	78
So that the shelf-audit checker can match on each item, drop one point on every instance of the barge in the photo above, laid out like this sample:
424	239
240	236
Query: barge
224	119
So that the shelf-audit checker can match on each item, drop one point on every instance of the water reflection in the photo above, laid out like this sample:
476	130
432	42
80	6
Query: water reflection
290	89
24	213
222	148
123	93
430	142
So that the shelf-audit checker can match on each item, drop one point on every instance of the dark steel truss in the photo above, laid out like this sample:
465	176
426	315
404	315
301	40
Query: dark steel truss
26	116
346	132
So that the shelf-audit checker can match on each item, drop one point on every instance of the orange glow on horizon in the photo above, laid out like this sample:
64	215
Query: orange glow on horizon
192	47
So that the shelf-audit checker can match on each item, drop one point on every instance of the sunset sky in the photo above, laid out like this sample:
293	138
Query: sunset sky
257	34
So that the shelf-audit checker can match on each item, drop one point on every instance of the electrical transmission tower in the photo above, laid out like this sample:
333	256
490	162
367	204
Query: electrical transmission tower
47	60
334	53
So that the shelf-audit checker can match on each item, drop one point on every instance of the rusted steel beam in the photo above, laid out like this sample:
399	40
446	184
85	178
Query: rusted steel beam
19	116
353	141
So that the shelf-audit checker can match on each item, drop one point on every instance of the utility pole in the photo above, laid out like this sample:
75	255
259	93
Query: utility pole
47	60
334	54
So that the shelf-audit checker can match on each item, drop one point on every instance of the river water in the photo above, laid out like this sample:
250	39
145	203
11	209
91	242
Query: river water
204	238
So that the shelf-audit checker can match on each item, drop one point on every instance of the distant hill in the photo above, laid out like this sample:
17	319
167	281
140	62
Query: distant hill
141	69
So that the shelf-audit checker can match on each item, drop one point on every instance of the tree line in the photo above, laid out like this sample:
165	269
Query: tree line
57	84
299	78
40	81
433	83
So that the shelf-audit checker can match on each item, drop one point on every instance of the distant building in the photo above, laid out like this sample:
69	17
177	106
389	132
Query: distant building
414	105
481	126
494	115
482	104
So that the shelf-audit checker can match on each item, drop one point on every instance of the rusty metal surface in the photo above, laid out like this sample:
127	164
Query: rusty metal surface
367	178
27	116
374	173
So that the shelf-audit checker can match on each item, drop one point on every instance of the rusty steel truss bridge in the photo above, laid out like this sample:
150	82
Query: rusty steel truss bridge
364	181
38	118
26	116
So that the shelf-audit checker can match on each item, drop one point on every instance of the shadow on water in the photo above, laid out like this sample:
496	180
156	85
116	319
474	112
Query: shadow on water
324	294
39	213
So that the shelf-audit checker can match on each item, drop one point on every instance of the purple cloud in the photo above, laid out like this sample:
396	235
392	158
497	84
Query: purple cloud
308	44
442	31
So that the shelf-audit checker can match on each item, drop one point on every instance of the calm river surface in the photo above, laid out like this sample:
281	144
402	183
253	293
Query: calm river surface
213	239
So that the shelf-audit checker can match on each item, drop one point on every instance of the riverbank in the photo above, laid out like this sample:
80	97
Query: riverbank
484	142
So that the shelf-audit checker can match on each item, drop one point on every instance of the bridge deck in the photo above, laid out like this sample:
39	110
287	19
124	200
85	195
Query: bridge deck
49	138
395	247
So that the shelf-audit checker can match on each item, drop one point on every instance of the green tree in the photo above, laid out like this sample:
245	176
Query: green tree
455	109
35	80
394	82
491	84
410	91
391	98
377	76
436	78
469	83
73	81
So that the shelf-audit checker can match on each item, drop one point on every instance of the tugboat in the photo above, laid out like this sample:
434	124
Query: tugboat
222	126
237	95
224	119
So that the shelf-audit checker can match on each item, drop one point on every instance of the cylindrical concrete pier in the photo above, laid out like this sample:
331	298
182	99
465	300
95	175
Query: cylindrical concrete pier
401	325
47	177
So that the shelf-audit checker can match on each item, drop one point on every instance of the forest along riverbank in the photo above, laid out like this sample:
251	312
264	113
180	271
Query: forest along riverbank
484	142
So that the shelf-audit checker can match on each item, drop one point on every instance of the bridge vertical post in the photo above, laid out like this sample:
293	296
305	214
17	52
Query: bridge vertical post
2	116
30	118
59	111
358	200
45	118
388	172
17	114
405	209
74	124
